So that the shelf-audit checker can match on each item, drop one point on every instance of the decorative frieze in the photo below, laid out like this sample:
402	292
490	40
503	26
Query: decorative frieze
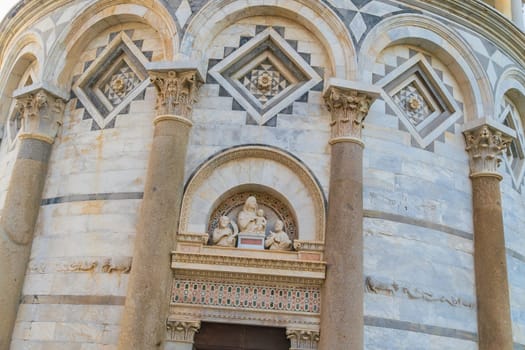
302	339
182	331
41	113
485	145
349	106
176	91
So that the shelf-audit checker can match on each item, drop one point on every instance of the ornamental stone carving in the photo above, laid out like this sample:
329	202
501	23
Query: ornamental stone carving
485	145
41	113
302	339
176	91
349	105
279	239
226	234
182	331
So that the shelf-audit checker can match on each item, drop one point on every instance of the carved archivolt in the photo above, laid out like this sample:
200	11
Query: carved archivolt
258	166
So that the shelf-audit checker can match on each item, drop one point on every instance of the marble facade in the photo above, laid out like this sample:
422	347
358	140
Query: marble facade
373	151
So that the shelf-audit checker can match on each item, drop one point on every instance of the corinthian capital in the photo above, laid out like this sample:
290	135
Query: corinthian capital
182	331
303	339
176	91
349	104
485	143
41	113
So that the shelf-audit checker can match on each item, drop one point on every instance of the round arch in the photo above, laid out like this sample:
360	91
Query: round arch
312	14
260	166
512	83
439	40
101	16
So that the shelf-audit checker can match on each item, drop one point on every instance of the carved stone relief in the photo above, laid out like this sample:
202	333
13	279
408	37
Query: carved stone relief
303	339
250	213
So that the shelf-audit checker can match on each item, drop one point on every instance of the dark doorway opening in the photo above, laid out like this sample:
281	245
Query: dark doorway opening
219	336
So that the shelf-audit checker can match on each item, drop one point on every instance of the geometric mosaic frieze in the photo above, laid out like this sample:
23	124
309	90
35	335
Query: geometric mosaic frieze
114	79
265	75
420	99
246	296
514	157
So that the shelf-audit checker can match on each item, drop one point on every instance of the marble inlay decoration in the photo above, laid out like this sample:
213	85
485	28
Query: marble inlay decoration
514	158
411	100
265	75
120	84
246	296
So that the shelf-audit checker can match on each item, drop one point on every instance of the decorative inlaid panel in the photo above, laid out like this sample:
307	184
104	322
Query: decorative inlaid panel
265	82
247	296
120	83
515	156
411	101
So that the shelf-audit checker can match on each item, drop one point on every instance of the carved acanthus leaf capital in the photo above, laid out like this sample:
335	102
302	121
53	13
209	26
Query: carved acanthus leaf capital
182	331
485	144
177	91
41	113
349	107
302	339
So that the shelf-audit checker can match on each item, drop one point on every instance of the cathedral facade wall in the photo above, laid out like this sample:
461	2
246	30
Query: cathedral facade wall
434	73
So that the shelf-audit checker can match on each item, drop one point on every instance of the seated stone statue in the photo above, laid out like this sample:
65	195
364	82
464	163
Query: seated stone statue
247	217
223	235
279	239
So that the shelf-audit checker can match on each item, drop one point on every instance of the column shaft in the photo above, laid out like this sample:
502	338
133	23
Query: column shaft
18	221
147	301
342	308
485	144
517	13
492	289
342	319
504	6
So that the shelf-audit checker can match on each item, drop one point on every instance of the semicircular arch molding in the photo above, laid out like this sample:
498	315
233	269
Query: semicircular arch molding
445	44
98	18
512	80
258	166
312	14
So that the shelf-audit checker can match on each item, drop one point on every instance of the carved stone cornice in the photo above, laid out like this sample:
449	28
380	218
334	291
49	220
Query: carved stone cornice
182	331
302	339
349	103
41	113
177	91
485	144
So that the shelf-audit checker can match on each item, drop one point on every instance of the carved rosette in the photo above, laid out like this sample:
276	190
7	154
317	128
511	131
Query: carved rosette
349	109
176	91
485	145
42	114
182	331
303	339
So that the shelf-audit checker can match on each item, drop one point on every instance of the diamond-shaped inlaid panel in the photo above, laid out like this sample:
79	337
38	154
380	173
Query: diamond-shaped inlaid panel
411	101
416	94
515	156
265	82
110	82
120	84
265	75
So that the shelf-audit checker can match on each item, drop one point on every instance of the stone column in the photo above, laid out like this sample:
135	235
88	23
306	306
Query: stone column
181	334
41	113
147	301
302	339
517	13
484	145
342	323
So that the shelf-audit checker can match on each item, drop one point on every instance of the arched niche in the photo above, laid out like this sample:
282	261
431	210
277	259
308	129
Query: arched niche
314	15
441	42
254	168
98	18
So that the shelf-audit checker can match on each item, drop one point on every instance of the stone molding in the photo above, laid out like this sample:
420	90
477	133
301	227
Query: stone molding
176	91
42	112
182	331
349	104
485	145
302	339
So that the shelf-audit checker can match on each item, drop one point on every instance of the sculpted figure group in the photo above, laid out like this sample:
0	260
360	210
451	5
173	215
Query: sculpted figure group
250	220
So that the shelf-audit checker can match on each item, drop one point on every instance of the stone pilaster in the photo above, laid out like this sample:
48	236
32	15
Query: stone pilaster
342	319
303	339
41	112
517	13
181	334
485	144
147	301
